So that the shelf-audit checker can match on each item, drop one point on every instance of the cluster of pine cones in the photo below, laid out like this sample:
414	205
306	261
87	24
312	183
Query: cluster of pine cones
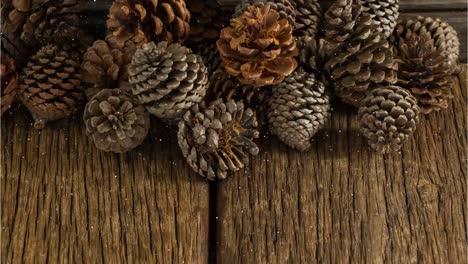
224	74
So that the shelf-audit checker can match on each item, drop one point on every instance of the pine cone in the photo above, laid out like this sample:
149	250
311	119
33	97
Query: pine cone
8	83
50	86
57	22
284	8
115	122
167	79
444	36
384	14
308	17
388	117
102	67
357	56
258	47
207	19
298	108
214	139
144	21
308	53
210	56
423	69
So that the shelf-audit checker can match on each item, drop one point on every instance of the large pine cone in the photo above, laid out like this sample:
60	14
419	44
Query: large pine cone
215	139
258	47
102	67
167	79
444	36
357	56
424	70
298	108
384	14
207	19
115	122
50	86
57	22
8	83
284	8
144	21
388	117
308	17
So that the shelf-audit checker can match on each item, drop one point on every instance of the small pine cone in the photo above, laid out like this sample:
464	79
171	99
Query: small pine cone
207	19
384	14
423	69
210	56
444	36
102	67
226	87
284	8
215	139
167	79
308	17
388	117
8	83
357	57
144	21
298	108
115	121
50	85
258	61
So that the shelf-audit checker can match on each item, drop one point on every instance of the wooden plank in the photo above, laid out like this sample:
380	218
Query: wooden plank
342	203
63	201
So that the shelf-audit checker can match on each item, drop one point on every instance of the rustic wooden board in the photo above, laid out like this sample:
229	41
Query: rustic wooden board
64	201
340	202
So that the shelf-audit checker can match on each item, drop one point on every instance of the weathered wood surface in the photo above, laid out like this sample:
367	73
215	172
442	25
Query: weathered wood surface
340	202
65	202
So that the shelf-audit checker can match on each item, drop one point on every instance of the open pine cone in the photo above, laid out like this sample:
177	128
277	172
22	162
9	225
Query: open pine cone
388	117
384	14
284	8
115	122
357	56
258	47
207	19
50	85
8	83
167	79
298	108
444	36
102	67
144	21
424	70
217	139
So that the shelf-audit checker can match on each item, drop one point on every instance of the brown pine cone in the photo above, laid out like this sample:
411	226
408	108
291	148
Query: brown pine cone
308	53
388	117
357	57
144	21
217	139
102	67
444	36
115	121
308	17
423	69
298	108
207	20
384	14
258	47
284	8
8	83
50	85
56	21
167	79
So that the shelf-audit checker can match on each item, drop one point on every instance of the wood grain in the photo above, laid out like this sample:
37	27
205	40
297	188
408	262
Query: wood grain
342	203
64	201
